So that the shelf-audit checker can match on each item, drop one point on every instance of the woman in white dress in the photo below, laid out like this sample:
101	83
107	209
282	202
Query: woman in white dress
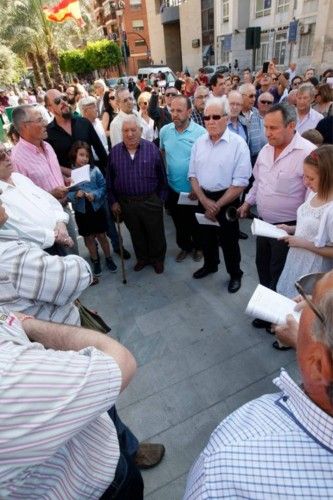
311	240
149	130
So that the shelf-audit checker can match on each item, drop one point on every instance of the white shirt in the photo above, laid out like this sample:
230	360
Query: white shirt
222	164
101	134
57	441
277	446
32	212
309	121
148	128
116	134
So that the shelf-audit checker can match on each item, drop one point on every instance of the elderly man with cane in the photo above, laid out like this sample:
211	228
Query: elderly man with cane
137	187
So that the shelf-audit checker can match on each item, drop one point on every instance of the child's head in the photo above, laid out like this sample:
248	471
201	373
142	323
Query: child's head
318	171
80	153
313	136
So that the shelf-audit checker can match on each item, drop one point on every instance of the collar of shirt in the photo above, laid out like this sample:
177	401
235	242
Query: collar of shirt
34	149
187	130
296	143
5	185
224	137
317	423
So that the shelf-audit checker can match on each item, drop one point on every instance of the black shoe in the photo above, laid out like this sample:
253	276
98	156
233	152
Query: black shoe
126	253
243	236
203	272
234	285
280	347
97	271
110	265
260	323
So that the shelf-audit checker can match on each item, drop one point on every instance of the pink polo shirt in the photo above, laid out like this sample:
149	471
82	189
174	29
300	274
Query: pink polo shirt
278	189
42	167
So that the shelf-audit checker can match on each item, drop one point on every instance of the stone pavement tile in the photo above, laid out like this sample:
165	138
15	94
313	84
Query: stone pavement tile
155	320
146	349
171	491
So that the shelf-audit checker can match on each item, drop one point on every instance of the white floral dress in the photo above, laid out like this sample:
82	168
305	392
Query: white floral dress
300	261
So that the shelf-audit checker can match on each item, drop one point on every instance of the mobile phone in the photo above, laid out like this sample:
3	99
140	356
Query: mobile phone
329	80
265	67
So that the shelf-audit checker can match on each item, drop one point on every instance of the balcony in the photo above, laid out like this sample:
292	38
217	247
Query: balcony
169	15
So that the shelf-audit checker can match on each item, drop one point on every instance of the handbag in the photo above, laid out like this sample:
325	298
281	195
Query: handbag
90	319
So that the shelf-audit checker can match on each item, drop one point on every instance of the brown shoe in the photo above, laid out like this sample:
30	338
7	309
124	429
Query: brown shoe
139	265
158	267
182	256
149	455
197	255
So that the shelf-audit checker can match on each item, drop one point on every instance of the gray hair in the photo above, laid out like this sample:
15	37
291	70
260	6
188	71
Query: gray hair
120	90
21	115
132	118
200	88
307	87
245	87
100	83
324	332
86	101
288	112
217	101
235	93
265	95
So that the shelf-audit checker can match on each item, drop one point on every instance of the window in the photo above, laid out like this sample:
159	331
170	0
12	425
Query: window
140	43
280	47
310	6
137	25
135	4
306	40
263	8
262	53
225	11
282	6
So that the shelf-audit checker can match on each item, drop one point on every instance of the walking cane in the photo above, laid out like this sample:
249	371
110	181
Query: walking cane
121	248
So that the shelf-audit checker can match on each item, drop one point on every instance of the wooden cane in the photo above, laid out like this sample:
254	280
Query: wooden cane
121	248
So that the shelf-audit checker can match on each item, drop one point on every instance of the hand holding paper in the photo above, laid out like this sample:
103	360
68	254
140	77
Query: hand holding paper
203	220
270	306
262	228
81	174
185	200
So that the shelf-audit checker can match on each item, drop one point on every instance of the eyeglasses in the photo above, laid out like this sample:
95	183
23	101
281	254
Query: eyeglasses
202	96
305	285
250	96
296	83
37	120
141	102
274	79
171	94
4	153
60	98
127	99
213	117
265	102
112	98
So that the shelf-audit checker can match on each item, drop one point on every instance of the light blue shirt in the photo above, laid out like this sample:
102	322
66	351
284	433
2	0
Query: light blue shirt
277	446
240	130
221	164
177	147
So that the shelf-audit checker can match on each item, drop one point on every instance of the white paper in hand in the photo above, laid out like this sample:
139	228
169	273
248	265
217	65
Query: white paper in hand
203	220
270	306
81	174
262	228
185	200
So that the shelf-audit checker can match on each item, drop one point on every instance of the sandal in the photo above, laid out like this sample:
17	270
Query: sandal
280	348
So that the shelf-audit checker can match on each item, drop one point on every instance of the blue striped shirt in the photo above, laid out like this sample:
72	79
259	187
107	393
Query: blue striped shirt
277	446
143	175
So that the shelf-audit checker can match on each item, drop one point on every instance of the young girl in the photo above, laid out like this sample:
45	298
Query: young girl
87	199
311	240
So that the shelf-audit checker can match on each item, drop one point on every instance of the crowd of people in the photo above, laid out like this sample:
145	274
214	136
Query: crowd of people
260	145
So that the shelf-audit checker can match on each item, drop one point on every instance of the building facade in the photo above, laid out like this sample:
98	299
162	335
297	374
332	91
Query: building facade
125	21
298	31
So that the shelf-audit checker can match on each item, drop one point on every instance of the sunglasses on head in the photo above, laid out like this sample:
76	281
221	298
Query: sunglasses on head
60	98
213	117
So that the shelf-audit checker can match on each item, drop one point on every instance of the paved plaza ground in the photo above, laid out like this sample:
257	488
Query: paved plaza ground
198	356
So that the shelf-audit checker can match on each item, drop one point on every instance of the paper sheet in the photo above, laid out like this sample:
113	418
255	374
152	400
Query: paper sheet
81	174
203	220
185	200
262	228
270	306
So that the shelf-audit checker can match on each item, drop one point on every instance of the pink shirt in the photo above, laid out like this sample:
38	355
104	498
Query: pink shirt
42	167
278	189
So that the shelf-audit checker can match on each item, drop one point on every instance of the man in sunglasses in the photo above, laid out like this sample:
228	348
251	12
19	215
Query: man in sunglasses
279	445
220	169
161	115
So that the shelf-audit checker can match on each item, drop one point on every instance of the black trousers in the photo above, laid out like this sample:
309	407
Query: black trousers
226	236
144	220
187	227
271	256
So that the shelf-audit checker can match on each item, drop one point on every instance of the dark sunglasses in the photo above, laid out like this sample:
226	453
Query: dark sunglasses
142	102
251	96
213	117
58	100
266	102
112	98
171	94
304	286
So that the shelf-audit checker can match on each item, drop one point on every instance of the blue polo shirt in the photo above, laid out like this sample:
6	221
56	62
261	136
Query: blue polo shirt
177	147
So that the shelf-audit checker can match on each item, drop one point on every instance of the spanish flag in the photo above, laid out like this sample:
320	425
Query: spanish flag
64	11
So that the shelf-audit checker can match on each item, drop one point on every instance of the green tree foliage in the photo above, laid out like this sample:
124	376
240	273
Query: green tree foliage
74	61
97	55
11	67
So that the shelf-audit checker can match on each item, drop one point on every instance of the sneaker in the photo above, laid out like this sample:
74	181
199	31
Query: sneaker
110	265
97	271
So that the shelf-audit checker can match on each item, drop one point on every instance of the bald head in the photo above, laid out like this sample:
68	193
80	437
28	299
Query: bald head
56	102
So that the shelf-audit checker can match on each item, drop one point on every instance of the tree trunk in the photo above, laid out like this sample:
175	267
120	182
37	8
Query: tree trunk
35	69
54	60
42	64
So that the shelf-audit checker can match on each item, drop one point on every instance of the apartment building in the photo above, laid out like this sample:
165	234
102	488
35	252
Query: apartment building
298	31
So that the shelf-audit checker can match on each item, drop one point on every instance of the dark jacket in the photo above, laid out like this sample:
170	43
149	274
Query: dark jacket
161	116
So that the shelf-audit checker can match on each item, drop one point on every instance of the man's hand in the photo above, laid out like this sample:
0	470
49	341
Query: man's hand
192	196
116	210
244	210
80	194
59	192
90	197
61	235
3	215
287	333
211	207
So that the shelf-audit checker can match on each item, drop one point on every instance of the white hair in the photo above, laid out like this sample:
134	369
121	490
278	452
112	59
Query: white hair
132	118
100	83
86	101
307	87
245	87
217	101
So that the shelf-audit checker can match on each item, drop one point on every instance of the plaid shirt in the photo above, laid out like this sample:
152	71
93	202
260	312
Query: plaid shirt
255	129
197	117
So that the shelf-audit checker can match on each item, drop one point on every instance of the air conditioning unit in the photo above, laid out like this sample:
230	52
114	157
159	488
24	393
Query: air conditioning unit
305	29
